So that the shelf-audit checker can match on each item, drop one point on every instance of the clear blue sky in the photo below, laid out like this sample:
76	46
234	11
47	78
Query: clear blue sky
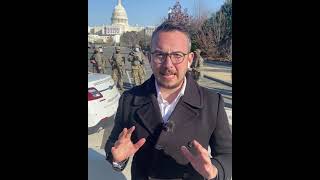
145	12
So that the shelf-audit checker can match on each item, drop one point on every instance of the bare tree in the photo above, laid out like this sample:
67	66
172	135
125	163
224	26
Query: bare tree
176	14
212	35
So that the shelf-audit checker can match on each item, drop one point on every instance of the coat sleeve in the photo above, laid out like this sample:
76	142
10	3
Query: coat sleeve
221	144
117	128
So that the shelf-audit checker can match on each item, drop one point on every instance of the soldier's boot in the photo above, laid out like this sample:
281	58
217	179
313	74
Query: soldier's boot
98	70
95	69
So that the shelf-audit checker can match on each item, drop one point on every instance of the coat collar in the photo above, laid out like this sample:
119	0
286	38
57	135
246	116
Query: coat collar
148	109
192	96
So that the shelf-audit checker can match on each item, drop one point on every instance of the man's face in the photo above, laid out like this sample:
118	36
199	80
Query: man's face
167	74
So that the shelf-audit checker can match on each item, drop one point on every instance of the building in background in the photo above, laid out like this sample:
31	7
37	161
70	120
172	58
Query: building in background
119	25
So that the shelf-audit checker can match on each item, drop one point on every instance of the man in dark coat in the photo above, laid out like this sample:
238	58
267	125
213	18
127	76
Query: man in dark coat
168	122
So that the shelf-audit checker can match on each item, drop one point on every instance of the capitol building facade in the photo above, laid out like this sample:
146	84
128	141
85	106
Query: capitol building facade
119	25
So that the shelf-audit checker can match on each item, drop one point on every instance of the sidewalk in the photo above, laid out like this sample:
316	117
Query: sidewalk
218	73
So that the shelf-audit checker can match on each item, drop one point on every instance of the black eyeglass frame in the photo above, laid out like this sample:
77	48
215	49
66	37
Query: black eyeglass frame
165	55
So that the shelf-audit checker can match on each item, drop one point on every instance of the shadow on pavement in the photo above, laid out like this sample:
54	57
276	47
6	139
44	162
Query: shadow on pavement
217	70
227	64
225	93
228	105
100	169
222	91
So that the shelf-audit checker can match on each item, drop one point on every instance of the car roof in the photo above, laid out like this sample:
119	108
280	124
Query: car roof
95	76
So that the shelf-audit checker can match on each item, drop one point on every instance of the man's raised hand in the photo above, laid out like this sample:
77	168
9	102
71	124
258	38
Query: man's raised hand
123	147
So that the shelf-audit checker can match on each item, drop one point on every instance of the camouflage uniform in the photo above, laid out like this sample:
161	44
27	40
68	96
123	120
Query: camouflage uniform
117	65
98	62
196	65
101	63
103	60
137	65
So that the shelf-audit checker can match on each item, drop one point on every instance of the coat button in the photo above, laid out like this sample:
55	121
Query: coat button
190	144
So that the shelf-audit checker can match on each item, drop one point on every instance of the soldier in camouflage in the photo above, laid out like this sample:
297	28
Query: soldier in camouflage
137	65
98	62
93	61
196	65
103	59
117	65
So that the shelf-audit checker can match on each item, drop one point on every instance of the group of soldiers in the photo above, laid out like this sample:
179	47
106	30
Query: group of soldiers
117	62
137	60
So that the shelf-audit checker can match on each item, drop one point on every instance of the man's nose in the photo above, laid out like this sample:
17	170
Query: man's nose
167	62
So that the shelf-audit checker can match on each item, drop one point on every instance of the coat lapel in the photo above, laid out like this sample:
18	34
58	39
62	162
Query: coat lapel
187	109
150	115
148	110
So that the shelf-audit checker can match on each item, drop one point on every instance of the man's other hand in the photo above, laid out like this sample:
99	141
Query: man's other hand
123	147
200	161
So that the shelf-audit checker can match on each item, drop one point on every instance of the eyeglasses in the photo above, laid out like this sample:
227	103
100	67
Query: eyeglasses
176	57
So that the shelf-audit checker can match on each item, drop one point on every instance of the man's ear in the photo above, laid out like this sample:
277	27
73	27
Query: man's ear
191	55
190	58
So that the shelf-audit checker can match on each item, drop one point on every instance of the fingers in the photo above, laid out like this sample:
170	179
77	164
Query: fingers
139	143
128	135
122	134
185	151
199	149
202	153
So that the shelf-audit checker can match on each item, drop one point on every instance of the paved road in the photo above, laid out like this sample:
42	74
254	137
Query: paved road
225	91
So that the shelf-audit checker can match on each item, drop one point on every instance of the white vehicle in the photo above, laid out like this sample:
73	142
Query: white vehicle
103	97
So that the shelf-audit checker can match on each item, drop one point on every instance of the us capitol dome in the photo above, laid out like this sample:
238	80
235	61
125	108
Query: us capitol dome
119	15
119	25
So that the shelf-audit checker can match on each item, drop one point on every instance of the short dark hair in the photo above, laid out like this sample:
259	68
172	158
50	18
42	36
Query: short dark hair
169	26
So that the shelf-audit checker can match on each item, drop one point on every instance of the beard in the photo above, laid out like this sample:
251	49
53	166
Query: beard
168	84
